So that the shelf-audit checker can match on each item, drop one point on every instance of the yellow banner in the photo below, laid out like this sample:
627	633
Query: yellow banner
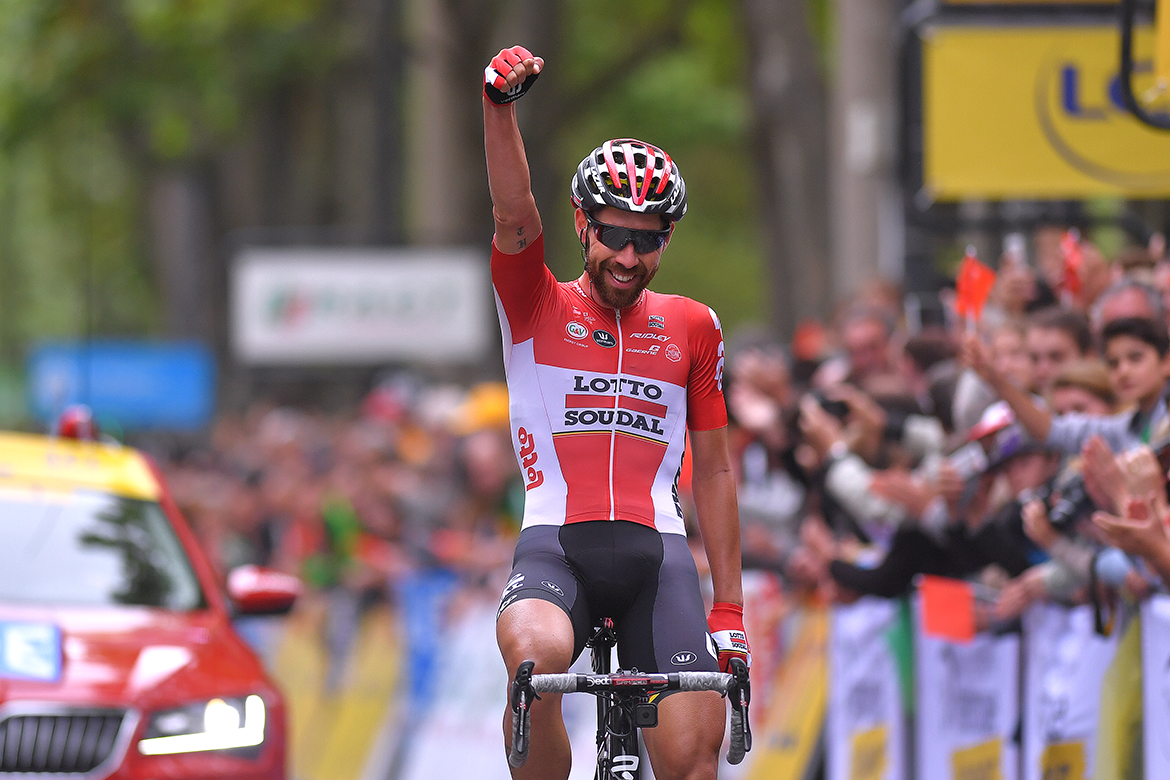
786	744
1036	112
869	754
979	762
1162	48
1065	760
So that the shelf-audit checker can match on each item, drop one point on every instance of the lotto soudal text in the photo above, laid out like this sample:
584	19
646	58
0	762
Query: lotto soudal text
631	420
605	385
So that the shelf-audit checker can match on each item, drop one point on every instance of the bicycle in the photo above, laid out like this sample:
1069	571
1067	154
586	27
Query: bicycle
624	705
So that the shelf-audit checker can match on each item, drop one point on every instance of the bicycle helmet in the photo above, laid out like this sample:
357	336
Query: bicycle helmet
630	175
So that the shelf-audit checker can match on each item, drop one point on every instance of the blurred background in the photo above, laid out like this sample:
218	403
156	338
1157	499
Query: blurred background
253	235
145	147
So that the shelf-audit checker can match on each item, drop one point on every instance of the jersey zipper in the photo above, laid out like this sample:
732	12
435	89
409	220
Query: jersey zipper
617	393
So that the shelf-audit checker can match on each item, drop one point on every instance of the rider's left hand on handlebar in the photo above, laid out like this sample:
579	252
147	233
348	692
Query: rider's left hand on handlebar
726	624
510	74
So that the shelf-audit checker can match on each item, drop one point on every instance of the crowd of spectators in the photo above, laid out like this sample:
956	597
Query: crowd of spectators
1025	451
414	497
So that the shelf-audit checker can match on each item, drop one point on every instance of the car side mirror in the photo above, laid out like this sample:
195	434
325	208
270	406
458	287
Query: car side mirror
255	590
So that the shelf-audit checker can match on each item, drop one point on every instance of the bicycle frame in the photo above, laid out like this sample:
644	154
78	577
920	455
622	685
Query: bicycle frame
619	753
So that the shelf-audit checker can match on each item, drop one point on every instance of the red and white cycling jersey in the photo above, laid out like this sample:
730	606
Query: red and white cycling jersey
601	399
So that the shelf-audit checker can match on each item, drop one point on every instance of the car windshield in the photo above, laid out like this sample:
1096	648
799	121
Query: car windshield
91	549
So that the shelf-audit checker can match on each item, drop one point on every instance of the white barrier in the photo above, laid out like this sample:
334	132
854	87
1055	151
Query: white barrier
967	698
1065	662
1156	685
865	733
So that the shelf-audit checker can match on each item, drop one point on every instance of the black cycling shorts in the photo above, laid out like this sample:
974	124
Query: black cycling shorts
644	580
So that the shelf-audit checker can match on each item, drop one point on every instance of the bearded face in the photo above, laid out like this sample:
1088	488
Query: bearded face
616	286
618	277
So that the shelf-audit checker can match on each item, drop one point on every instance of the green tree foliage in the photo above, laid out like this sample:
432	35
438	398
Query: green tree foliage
671	72
94	96
98	96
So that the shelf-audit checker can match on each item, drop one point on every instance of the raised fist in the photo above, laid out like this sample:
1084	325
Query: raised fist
510	74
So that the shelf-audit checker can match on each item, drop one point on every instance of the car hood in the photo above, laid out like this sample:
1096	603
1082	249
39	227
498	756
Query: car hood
131	656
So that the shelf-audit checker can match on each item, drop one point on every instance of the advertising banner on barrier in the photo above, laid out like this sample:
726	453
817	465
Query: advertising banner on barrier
296	306
967	706
1065	662
1156	684
865	733
1036	112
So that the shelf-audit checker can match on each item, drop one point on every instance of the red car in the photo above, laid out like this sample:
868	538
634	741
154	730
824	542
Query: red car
117	654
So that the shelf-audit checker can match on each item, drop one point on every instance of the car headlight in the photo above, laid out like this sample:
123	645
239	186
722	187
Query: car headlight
218	724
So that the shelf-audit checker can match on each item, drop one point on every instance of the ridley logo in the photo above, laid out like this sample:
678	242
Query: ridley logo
576	330
685	658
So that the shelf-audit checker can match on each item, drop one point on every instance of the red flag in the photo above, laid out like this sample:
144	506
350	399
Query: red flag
972	285
948	608
1070	248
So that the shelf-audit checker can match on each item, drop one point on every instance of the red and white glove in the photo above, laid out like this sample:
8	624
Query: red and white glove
495	84
726	624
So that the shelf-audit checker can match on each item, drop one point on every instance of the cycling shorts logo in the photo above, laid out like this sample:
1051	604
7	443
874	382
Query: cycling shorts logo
576	330
516	581
604	338
673	353
553	587
624	767
685	658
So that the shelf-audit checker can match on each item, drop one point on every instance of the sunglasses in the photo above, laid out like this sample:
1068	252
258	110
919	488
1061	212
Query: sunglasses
616	238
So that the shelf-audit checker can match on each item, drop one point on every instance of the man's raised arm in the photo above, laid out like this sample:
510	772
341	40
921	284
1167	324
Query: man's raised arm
509	76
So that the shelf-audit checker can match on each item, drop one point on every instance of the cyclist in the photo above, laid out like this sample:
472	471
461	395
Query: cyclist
605	380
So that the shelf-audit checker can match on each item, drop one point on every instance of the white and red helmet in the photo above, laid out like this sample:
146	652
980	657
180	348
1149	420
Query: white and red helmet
630	175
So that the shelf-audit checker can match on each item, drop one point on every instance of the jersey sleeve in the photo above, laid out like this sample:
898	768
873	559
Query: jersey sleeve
523	286
706	409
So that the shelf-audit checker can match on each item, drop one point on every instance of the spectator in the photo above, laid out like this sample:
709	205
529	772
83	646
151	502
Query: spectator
1126	298
867	332
970	542
1007	352
1082	386
1135	352
1055	336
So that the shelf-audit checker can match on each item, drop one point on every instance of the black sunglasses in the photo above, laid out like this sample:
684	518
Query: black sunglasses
616	238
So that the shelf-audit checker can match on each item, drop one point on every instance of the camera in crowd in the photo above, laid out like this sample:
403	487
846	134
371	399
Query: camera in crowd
835	407
1069	501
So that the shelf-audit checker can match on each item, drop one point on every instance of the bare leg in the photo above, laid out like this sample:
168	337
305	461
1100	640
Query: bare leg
685	744
537	630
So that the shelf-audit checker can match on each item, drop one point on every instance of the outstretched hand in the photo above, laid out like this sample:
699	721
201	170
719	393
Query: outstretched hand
510	74
1141	531
1104	478
976	355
